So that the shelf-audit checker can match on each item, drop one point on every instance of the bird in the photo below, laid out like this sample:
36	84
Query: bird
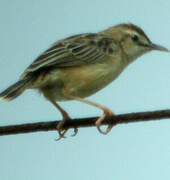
80	65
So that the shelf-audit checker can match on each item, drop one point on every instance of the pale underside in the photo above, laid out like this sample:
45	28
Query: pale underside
79	81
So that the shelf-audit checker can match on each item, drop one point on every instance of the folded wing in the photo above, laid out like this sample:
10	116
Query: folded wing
75	51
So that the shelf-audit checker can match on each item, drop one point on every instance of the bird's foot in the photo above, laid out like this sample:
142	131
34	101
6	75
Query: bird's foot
62	132
107	113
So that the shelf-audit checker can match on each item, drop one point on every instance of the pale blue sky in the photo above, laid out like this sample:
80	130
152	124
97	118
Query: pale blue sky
133	151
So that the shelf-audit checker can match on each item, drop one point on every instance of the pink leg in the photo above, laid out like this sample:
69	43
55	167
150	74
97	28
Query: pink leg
63	112
107	112
60	125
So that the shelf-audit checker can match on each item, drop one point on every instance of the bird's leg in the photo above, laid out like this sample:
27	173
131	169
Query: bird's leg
66	117
107	113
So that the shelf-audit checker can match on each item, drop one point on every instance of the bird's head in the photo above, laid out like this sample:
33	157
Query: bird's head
133	40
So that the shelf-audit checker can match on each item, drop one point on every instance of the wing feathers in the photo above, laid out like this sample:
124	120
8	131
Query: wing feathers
75	51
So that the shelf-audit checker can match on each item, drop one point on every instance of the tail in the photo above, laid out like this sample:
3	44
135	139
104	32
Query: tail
15	90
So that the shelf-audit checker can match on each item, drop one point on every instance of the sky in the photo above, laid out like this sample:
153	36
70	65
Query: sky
134	151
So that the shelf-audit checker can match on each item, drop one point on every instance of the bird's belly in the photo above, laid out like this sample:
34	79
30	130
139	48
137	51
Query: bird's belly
81	81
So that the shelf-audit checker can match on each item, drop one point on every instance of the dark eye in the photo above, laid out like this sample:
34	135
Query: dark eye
135	38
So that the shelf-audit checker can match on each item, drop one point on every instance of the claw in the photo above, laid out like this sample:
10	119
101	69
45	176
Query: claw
62	132
75	132
99	121
61	135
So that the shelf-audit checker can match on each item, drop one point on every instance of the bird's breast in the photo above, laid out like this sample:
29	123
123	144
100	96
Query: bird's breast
86	80
82	81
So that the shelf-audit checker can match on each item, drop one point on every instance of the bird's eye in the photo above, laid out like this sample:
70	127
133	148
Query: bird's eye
135	38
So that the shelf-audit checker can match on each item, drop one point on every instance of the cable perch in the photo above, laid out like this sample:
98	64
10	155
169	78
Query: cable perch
84	122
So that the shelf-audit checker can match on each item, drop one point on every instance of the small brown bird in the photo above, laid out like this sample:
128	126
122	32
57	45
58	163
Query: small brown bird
81	65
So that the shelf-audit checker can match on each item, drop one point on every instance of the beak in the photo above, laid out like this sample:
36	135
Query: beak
158	47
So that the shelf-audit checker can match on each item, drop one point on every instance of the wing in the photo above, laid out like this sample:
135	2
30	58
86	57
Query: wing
75	51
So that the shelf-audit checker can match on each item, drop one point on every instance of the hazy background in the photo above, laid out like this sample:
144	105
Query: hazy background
135	151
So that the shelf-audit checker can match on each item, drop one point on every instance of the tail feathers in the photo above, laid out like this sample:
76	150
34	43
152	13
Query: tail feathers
15	90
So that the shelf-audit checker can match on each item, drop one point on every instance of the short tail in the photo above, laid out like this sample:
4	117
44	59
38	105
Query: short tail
15	90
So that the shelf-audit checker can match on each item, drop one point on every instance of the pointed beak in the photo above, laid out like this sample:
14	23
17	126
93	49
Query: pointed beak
158	47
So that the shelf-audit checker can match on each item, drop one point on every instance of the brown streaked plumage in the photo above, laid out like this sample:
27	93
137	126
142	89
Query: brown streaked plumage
80	65
134	28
